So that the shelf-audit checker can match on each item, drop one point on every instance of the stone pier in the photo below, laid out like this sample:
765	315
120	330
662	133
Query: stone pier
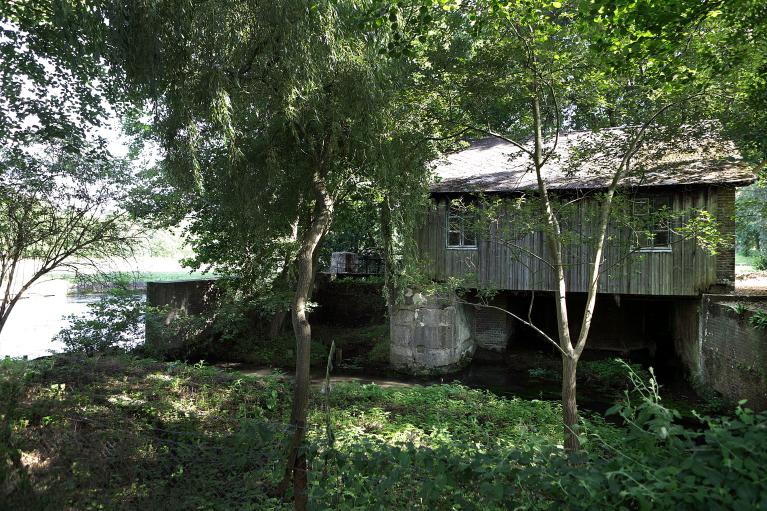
430	335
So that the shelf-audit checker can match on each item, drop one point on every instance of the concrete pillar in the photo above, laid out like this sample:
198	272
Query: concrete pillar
430	335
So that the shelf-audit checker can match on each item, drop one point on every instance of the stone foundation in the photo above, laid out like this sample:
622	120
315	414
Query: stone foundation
712	336
430	335
492	327
722	350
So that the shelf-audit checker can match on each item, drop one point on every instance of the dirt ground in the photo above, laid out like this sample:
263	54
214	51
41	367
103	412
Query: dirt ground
750	282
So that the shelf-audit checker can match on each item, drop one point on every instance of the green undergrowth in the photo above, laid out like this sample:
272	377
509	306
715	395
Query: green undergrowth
116	432
610	376
366	346
359	347
279	352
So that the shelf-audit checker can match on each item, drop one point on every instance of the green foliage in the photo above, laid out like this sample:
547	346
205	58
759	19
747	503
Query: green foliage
612	373
14	374
279	352
52	87
758	319
379	354
59	209
738	309
190	430
760	262
113	323
544	373
703	227
286	95
750	221
234	328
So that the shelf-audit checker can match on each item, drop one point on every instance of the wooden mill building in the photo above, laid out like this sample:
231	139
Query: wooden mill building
653	276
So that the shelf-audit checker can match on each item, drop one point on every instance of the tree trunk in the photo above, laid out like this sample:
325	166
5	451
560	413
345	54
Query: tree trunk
322	215
569	355
277	323
569	403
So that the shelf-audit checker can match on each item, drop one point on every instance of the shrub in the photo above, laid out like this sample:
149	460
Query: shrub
13	474
760	262
613	373
758	320
379	354
544	373
114	323
653	462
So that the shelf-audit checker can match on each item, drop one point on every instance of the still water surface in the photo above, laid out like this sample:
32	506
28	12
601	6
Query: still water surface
38	317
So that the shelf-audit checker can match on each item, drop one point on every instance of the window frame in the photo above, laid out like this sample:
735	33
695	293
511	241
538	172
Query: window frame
652	205
461	231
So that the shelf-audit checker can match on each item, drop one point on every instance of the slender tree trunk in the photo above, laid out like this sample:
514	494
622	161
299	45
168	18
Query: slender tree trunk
311	238
553	237
277	323
569	404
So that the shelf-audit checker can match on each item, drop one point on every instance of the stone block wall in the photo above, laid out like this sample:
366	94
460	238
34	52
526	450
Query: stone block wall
721	349
733	351
430	335
492	327
725	260
184	297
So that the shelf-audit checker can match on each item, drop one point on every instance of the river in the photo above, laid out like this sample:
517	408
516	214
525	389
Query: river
39	316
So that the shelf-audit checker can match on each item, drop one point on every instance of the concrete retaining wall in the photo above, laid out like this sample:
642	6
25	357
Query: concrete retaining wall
734	352
348	302
430	335
721	349
180	298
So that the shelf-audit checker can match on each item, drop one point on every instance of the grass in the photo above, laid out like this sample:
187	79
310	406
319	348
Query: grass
126	433
742	260
119	432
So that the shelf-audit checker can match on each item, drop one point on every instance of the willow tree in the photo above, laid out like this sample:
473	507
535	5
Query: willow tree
268	112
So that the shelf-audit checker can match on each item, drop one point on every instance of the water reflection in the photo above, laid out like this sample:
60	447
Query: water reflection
38	317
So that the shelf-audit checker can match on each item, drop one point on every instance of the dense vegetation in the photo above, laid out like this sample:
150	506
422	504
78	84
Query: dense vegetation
118	432
284	130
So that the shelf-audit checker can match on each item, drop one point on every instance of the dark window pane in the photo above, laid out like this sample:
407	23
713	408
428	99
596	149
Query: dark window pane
641	207
469	238
454	239
661	238
662	203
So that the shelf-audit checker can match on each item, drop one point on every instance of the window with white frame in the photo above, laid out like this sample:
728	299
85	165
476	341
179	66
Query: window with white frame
460	225
653	224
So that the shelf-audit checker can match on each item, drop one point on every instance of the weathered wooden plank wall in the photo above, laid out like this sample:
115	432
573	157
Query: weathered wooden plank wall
686	270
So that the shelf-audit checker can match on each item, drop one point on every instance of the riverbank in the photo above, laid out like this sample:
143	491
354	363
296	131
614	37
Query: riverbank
42	311
118	432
